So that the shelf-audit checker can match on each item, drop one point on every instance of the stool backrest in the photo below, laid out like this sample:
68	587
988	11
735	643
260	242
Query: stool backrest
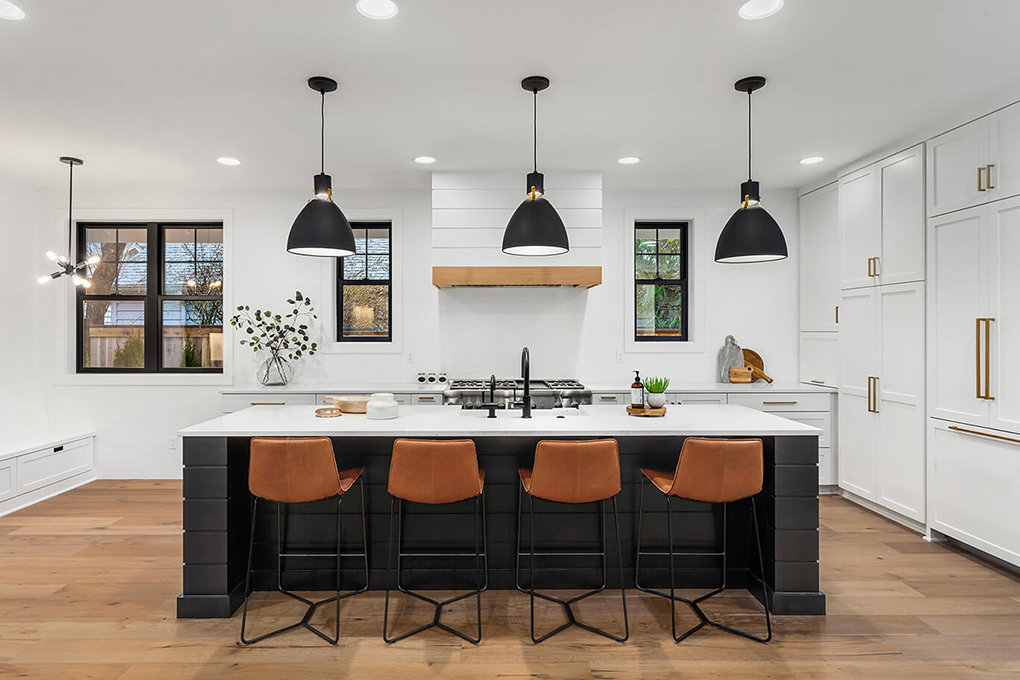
293	470
719	470
576	471
434	471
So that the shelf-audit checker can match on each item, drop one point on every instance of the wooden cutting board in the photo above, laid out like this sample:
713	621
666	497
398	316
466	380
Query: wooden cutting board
647	412
754	361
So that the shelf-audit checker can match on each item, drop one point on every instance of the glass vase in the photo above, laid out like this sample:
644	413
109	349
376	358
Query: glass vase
275	371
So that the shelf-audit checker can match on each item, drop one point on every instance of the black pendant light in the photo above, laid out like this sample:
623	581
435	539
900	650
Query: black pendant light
751	235
535	227
78	273
321	229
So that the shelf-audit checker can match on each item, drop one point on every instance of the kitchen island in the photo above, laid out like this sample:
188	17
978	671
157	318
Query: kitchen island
217	503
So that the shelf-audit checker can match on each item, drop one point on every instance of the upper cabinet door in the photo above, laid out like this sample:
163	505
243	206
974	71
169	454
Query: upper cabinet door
860	227
819	279
1003	174
957	164
902	182
1003	364
957	291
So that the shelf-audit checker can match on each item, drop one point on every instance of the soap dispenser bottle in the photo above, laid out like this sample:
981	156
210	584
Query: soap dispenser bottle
637	392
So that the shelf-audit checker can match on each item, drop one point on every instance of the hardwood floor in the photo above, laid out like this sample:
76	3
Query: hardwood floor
88	581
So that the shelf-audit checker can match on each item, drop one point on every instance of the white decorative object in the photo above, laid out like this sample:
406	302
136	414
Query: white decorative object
382	406
656	399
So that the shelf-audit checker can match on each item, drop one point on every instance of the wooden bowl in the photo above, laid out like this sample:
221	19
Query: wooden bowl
349	404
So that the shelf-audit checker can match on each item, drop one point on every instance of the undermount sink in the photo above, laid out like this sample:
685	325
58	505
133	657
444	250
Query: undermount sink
536	414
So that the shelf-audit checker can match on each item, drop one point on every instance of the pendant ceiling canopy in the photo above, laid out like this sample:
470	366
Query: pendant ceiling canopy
321	229
751	234
535	227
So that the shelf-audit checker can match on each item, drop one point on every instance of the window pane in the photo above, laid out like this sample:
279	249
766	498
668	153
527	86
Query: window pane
644	240
131	278
644	266
355	267
192	334
378	266
131	245
669	241
670	267
101	242
103	277
178	245
210	244
378	240
208	279
114	334
366	311
658	309
359	240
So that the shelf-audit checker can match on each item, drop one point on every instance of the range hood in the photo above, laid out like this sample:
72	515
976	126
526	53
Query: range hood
507	277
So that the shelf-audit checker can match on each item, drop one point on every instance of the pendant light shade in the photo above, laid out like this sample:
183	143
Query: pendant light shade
751	234
321	229
535	228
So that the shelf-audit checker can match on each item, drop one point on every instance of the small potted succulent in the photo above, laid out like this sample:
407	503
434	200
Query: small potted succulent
283	335
656	388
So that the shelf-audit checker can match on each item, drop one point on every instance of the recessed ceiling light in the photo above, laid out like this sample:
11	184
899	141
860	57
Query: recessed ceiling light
811	160
10	11
759	9
424	160
226	160
629	160
377	9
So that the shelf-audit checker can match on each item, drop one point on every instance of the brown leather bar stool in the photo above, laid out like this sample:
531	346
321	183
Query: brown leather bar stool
710	471
572	472
436	472
297	470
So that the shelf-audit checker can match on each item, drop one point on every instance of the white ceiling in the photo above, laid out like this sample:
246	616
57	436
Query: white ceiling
153	92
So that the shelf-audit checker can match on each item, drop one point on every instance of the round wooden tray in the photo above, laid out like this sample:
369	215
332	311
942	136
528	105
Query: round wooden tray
647	412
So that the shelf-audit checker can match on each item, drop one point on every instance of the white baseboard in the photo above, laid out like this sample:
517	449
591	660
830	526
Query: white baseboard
49	491
911	524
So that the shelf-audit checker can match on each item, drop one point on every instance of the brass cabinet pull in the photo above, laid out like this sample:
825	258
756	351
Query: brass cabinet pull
872	394
878	266
267	403
870	273
780	403
869	395
873	266
984	434
977	359
988	359
837	313
980	187
988	176
818	382
986	365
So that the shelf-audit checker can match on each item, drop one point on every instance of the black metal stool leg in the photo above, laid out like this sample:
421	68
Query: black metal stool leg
639	552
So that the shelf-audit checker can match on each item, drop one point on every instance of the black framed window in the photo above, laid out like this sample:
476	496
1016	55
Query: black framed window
661	309
364	286
156	300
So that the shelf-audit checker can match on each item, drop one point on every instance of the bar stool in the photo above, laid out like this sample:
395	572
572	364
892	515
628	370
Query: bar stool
710	471
298	470
435	472
572	472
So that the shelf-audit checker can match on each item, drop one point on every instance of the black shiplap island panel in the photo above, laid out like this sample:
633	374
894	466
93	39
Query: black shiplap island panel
217	516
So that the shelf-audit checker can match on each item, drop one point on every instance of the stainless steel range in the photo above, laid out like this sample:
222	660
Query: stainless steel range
508	393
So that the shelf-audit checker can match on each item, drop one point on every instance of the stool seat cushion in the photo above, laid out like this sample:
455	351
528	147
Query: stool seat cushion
714	470
435	471
574	471
296	470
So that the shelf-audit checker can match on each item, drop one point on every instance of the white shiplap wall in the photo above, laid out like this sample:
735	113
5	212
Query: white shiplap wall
470	211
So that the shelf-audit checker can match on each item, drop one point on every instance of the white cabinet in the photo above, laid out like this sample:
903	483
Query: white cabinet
610	398
975	476
51	465
684	398
975	163
819	251
235	402
974	329
881	412
881	225
819	359
8	478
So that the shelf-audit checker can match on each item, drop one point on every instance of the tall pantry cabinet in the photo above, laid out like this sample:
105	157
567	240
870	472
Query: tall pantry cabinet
974	333
881	333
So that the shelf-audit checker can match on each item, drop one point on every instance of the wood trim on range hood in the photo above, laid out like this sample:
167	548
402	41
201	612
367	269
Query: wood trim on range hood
494	277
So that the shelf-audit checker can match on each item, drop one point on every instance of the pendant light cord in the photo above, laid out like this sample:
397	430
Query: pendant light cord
70	203
322	133
535	130
749	136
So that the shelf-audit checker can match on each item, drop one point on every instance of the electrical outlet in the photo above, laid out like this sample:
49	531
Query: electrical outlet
619	357
410	357
171	443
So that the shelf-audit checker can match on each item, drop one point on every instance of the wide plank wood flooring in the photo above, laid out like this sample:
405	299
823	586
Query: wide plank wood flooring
88	582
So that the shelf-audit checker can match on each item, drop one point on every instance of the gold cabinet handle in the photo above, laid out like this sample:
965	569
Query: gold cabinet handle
980	187
837	313
267	403
988	176
878	266
869	395
872	394
817	382
986	365
984	434
870	260
977	359
988	358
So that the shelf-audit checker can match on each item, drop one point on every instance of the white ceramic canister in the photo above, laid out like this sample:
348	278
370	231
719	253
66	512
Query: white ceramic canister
382	406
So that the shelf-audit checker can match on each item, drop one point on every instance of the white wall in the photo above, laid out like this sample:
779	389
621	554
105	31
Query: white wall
462	331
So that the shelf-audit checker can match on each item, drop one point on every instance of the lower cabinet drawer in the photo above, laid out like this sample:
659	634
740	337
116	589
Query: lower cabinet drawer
41	468
610	398
236	402
427	399
8	478
689	399
814	401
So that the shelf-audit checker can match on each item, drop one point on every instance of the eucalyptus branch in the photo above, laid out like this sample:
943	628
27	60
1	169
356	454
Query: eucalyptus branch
278	333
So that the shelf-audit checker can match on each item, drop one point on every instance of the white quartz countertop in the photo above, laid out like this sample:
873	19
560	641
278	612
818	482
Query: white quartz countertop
414	387
450	421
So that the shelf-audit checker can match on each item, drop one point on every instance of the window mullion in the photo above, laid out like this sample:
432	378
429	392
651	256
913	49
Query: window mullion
153	286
